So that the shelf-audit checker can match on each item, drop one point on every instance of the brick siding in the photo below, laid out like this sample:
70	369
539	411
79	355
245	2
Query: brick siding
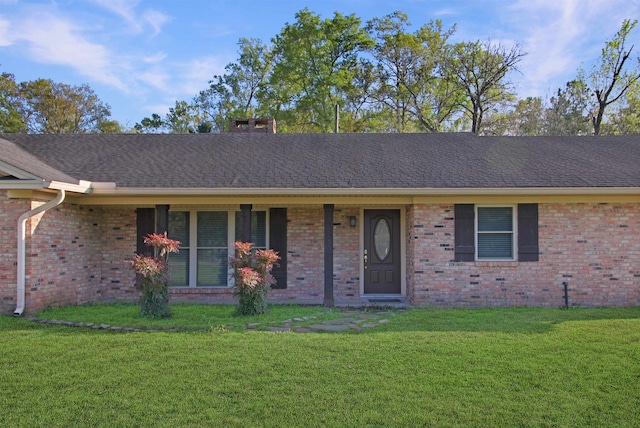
305	268
305	248
78	254
74	254
593	247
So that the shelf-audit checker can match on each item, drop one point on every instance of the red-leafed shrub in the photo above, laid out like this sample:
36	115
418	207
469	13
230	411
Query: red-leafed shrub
152	280
253	280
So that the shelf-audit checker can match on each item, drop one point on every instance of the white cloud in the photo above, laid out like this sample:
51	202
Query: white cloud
156	20
126	9
156	58
444	12
195	75
156	77
123	8
560	35
5	34
51	39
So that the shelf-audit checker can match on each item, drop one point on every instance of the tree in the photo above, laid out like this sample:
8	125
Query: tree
48	107
608	80
182	118
314	64
235	94
10	118
525	117
626	118
409	83
528	117
479	70
153	124
110	127
568	111
185	118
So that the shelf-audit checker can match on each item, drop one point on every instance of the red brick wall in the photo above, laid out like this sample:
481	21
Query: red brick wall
346	256
118	238
63	263
79	254
305	248
75	254
594	247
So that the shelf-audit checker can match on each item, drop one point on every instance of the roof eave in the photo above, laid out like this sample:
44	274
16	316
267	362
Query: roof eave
150	191
38	184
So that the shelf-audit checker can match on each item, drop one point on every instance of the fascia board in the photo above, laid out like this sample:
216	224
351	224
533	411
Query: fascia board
81	187
139	191
33	184
17	172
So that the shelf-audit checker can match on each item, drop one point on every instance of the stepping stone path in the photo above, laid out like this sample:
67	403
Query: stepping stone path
356	320
350	319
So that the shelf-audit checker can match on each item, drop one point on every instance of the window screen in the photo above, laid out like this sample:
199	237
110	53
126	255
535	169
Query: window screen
495	232
212	263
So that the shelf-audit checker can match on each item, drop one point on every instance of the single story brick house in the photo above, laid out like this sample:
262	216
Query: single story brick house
443	220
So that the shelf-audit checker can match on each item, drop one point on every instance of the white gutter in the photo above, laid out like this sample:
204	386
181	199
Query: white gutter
360	191
22	221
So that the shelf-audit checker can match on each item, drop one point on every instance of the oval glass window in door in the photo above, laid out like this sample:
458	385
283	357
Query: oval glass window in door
382	239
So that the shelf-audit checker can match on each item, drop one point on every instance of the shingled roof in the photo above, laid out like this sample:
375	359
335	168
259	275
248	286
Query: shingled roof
328	161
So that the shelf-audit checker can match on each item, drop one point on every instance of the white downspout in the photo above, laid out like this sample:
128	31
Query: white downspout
22	222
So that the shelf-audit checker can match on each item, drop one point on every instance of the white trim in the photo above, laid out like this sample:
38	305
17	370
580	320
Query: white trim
37	183
17	172
514	232
34	184
420	191
81	187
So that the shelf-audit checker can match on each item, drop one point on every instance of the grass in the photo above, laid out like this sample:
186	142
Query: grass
185	316
499	367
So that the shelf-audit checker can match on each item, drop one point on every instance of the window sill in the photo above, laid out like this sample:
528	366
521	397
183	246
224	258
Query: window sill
497	263
196	290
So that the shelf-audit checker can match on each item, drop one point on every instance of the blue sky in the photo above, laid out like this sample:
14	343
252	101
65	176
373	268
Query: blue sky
140	56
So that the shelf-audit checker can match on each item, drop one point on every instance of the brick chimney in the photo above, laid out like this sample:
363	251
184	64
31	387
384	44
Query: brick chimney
259	126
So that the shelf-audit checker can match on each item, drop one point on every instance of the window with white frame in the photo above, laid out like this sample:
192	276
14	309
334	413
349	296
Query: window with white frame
495	236
206	244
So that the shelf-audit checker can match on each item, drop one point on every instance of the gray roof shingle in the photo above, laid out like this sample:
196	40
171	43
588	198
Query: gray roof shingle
15	156
330	161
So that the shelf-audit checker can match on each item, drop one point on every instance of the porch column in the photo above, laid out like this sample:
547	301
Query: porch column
245	220
328	255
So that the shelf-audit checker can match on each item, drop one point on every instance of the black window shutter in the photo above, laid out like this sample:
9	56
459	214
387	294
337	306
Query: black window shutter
528	232
464	232
245	222
278	242
162	218
145	224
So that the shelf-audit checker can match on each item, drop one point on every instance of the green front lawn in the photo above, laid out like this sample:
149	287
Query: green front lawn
185	316
498	367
